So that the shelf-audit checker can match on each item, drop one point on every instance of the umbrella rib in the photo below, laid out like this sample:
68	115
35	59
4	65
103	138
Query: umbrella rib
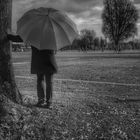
73	25
53	30
43	24
67	18
63	30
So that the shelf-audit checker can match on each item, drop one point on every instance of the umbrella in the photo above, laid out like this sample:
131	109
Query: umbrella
46	28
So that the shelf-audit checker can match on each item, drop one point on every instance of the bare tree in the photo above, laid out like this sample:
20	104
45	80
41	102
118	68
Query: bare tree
119	21
7	78
87	38
90	34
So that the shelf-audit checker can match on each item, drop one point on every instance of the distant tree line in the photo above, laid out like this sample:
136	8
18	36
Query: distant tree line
85	44
97	44
101	44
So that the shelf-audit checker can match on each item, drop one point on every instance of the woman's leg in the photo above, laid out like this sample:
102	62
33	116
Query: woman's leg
48	78
40	88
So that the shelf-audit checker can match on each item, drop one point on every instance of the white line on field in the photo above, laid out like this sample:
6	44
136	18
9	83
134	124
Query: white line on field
84	81
19	63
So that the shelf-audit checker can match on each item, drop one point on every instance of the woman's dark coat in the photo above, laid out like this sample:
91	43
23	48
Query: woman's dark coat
42	61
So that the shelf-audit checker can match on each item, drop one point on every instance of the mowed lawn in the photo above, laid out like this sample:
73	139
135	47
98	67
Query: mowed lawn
96	95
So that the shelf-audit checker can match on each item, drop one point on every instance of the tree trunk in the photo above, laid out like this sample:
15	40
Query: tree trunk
116	46
7	78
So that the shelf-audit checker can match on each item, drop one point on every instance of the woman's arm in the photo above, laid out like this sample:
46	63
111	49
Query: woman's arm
14	38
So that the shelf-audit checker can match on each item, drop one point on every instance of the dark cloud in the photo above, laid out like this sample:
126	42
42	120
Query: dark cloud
70	6
78	8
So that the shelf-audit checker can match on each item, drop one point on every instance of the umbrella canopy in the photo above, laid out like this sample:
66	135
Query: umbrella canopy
46	28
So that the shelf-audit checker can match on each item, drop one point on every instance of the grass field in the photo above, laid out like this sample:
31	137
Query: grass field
96	96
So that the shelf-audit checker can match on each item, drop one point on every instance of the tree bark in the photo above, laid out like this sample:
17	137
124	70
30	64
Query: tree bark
7	78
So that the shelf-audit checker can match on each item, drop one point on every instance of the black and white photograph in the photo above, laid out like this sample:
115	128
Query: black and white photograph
69	69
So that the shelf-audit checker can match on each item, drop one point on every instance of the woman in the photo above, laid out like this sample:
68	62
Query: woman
43	64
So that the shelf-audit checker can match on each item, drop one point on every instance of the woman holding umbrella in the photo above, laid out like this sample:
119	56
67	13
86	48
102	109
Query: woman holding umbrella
43	64
47	30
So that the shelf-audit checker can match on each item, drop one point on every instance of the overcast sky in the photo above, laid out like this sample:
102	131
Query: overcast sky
85	13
